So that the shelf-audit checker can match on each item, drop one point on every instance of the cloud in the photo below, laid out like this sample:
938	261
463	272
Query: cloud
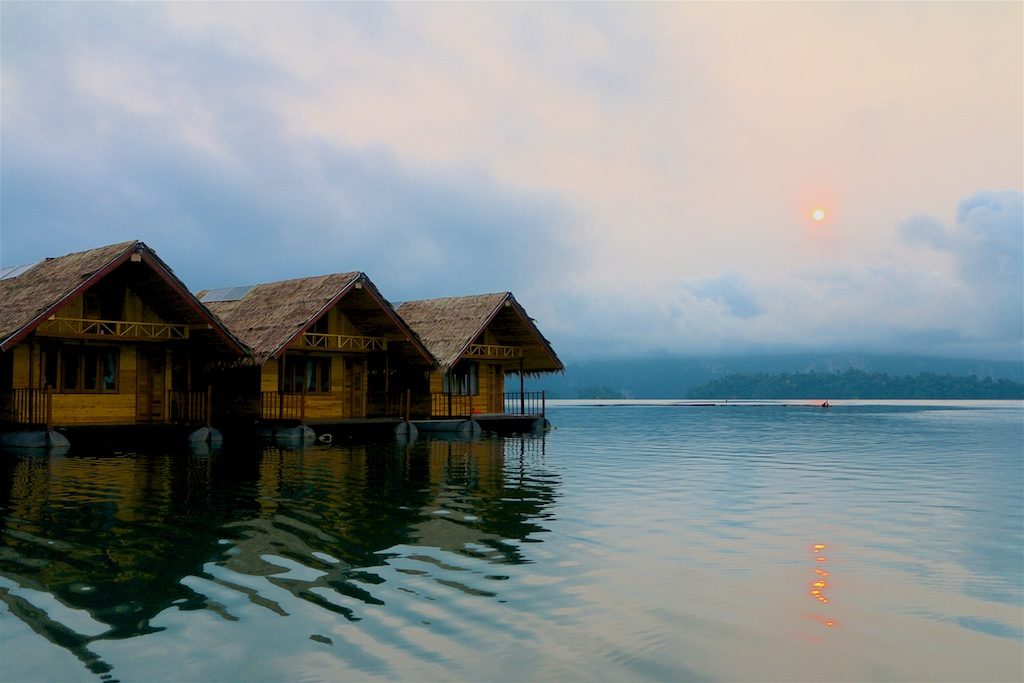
968	301
728	290
180	148
640	175
990	240
924	230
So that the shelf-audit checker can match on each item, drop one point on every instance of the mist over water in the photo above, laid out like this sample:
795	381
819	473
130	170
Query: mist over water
634	542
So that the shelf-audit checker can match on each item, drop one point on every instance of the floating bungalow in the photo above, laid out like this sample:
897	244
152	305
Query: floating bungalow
108	336
111	337
477	342
324	350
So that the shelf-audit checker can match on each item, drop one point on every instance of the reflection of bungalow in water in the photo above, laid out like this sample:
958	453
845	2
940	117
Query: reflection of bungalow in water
477	341
324	349
105	336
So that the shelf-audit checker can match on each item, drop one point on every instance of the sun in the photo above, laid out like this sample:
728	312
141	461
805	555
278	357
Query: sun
818	215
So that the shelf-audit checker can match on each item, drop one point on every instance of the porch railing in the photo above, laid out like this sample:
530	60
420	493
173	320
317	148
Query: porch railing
27	406
276	405
342	342
450	405
493	351
281	405
388	404
457	406
526	403
192	407
112	328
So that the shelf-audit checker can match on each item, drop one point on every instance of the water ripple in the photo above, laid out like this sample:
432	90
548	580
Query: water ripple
659	543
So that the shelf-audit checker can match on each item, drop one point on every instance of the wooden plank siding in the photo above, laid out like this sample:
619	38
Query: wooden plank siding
72	329
75	409
84	407
488	399
99	407
22	370
347	398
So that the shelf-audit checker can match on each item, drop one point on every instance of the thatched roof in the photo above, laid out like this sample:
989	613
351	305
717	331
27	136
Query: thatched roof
268	317
448	327
41	290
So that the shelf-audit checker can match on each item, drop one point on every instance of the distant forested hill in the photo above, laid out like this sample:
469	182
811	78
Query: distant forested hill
664	376
856	384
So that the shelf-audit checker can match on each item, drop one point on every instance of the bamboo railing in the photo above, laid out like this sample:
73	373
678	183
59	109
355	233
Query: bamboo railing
493	351
111	328
342	342
282	405
190	407
27	407
279	405
461	405
388	404
526	403
450	405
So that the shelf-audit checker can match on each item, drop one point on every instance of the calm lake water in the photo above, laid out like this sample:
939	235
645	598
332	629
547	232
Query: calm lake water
634	542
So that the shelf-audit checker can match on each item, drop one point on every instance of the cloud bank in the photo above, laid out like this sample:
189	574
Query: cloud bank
640	176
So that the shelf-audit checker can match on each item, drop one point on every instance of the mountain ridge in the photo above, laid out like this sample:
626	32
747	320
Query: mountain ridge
673	376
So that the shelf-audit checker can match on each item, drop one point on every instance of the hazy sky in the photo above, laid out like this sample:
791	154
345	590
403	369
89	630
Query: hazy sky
642	176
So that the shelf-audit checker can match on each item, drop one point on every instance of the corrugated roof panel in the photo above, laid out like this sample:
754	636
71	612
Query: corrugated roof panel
8	272
226	294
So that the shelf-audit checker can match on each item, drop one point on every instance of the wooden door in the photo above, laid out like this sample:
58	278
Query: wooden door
496	390
149	396
354	393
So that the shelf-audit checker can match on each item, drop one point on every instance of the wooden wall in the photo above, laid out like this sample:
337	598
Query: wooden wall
347	398
83	408
491	387
76	408
268	376
134	309
22	369
339	323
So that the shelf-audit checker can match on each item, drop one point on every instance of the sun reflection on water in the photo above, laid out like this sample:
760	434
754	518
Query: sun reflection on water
818	586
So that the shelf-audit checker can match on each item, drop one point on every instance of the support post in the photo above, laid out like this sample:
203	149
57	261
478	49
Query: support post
302	405
209	405
448	375
408	404
32	379
522	389
543	403
49	409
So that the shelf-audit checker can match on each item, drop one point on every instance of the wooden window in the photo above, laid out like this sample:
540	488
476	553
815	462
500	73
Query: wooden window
321	325
310	372
463	380
81	369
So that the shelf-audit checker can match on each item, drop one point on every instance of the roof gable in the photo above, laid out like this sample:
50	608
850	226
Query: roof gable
268	317
29	298
448	326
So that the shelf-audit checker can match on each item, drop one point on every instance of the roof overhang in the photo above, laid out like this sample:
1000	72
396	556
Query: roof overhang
509	301
361	281
137	252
